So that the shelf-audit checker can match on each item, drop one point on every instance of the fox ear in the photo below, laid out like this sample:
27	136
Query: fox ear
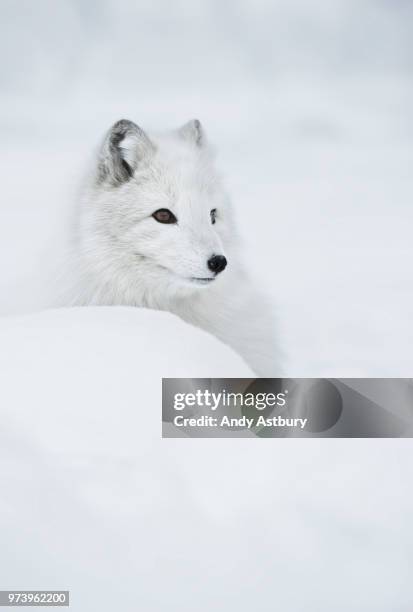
193	132
125	145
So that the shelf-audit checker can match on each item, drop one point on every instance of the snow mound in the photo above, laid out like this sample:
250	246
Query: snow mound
93	500
95	373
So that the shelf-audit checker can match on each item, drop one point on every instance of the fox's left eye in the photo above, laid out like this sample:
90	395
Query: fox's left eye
213	214
163	215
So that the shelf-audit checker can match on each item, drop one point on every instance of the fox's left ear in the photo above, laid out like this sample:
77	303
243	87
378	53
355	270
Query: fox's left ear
124	147
193	132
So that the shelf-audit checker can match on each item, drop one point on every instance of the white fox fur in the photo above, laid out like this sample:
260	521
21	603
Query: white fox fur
124	256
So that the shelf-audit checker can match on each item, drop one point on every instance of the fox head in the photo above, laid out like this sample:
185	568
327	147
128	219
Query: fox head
156	208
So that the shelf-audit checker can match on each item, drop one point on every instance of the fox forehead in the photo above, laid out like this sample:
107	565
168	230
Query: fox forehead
179	178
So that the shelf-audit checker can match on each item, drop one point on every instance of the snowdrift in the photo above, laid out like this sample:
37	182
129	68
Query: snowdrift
93	500
91	377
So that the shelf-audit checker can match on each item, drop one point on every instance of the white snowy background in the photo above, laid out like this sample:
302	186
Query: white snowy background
309	104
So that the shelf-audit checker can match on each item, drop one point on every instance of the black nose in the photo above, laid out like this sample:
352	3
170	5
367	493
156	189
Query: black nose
217	263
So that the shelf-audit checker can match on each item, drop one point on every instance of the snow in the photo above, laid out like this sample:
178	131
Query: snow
309	105
103	365
95	501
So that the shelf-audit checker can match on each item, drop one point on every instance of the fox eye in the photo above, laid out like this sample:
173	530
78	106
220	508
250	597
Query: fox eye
213	214
163	215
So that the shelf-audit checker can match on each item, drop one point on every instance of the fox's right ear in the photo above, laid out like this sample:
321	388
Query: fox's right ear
192	131
125	145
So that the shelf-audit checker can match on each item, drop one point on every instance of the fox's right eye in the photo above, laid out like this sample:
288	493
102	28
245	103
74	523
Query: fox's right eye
163	215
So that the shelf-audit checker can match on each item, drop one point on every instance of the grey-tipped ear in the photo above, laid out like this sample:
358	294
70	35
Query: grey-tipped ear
125	145
193	132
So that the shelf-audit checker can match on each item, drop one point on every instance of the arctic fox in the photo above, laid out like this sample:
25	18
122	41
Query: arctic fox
155	229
